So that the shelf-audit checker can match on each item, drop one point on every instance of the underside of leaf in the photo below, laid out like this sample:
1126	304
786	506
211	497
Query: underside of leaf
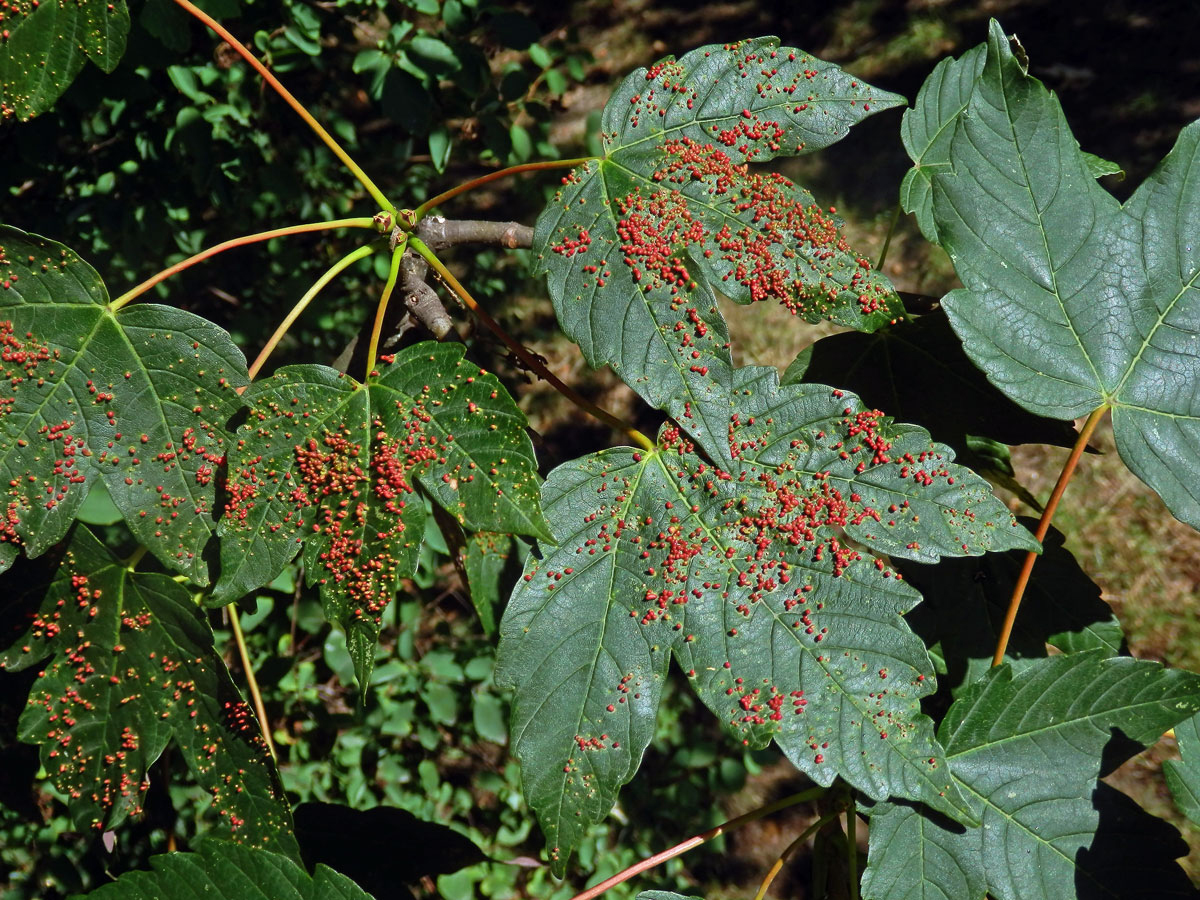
1071	301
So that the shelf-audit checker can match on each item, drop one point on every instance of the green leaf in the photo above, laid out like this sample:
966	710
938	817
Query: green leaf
488	717
139	398
673	176
486	555
98	508
1024	220
540	56
928	128
44	46
439	147
1183	775
434	54
707	94
1071	302
334	465
786	632
131	667
1156	402
909	498
1099	166
168	23
1026	749
966	601
918	372
225	871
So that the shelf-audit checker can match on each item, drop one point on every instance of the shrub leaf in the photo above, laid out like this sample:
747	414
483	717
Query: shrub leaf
45	46
635	242
1183	775
225	871
786	632
1071	301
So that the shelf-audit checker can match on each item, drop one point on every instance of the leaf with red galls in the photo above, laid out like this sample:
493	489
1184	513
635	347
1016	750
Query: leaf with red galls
787	631
128	664
139	398
338	467
635	243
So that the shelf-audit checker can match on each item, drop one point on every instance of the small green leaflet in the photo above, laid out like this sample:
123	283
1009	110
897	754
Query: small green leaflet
45	45
1183	775
1073	303
334	465
635	242
139	398
786	632
1099	166
1026	749
485	557
132	666
223	871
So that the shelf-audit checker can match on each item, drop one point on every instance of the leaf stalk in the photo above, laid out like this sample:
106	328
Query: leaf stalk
1043	526
852	845
441	198
791	848
291	101
695	841
381	309
523	354
131	562
244	240
887	241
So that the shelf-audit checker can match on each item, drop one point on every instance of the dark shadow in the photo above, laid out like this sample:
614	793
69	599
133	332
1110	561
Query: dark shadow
382	849
18	762
1133	854
965	602
918	372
